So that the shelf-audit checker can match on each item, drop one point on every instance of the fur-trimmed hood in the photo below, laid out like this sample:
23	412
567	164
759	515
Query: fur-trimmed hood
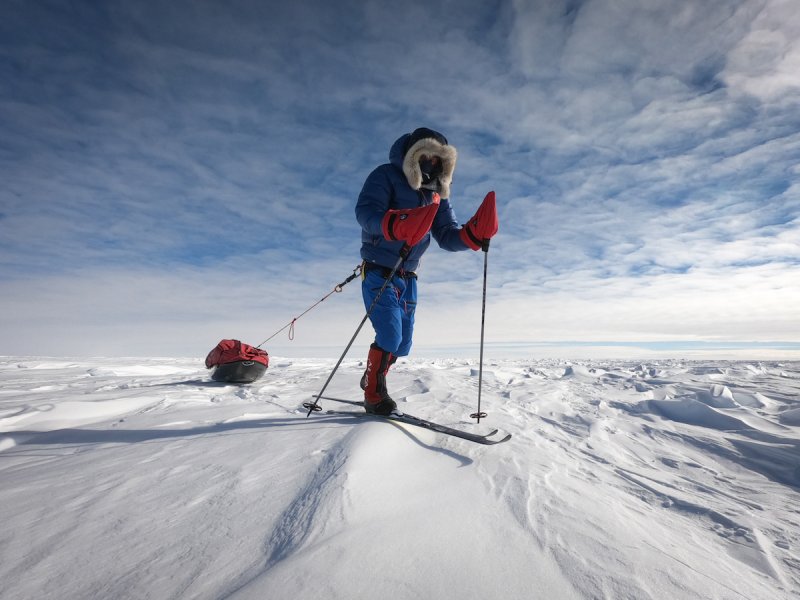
407	159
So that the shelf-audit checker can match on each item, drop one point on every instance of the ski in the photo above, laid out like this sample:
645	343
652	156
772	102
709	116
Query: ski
400	417
429	425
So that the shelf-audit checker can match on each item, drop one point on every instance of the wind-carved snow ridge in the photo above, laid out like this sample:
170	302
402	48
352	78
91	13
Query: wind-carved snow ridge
744	542
623	479
317	506
717	430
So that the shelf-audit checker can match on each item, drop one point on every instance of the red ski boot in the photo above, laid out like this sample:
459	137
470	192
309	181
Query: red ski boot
376	397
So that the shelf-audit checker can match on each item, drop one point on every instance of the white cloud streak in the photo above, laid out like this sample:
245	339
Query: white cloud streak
645	158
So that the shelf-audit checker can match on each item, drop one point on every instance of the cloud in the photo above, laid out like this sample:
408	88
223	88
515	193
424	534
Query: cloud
156	157
766	61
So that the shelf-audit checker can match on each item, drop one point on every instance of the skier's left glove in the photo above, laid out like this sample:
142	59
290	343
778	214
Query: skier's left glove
479	229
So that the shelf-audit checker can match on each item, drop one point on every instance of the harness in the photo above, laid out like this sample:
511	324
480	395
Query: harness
385	271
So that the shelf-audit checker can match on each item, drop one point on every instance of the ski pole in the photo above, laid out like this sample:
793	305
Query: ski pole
485	247
314	406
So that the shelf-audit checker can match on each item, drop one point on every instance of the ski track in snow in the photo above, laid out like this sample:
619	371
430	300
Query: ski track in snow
140	478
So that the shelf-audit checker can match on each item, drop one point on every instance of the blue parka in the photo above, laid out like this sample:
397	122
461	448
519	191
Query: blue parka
387	188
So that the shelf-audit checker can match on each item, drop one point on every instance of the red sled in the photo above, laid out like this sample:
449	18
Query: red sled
236	362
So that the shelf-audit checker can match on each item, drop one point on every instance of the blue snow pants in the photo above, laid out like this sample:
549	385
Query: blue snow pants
393	315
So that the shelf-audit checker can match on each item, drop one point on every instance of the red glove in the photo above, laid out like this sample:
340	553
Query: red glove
409	224
482	226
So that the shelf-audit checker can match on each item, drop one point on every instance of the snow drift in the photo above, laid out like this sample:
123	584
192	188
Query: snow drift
132	478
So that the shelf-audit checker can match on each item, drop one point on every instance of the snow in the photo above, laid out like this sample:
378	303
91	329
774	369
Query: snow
141	478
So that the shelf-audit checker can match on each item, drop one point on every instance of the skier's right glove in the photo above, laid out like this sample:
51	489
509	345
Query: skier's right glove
409	225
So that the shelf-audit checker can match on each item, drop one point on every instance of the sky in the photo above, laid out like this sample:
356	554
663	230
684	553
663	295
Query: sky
175	173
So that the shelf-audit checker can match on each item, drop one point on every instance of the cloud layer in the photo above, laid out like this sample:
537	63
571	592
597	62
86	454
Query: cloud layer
188	171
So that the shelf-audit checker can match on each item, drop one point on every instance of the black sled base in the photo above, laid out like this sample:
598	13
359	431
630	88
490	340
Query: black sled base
240	371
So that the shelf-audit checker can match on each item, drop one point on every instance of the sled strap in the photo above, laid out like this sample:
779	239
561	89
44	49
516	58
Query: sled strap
336	289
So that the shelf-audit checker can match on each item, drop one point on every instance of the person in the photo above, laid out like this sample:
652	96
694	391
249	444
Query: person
401	204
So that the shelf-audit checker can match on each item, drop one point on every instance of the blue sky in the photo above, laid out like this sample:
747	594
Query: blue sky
178	172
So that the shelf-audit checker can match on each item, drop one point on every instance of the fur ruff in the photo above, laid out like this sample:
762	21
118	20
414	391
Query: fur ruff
430	147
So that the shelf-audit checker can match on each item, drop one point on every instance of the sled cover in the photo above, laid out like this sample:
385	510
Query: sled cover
229	351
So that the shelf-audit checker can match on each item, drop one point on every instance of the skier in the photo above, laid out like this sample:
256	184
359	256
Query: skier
401	204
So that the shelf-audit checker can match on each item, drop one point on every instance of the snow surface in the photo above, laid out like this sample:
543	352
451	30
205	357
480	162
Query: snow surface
134	478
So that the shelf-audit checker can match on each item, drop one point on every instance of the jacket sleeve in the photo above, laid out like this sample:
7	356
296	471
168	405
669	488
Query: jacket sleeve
445	228
373	202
